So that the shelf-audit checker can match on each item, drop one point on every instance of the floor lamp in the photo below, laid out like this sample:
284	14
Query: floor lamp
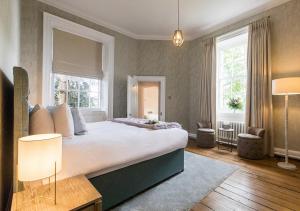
286	87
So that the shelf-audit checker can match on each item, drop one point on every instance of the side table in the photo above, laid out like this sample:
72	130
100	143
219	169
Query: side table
229	134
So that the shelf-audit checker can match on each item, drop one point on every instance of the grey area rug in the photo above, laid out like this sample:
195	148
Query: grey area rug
201	175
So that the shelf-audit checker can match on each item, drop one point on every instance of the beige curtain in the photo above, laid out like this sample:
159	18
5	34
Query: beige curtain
259	95
207	82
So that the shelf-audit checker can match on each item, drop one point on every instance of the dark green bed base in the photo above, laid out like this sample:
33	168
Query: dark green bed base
117	186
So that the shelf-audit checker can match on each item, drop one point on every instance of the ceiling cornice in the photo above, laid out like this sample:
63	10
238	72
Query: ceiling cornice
210	29
204	31
123	31
80	14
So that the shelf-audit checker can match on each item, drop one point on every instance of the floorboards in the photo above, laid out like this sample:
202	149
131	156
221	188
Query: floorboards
257	185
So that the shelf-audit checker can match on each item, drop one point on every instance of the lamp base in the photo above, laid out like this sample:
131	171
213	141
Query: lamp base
287	166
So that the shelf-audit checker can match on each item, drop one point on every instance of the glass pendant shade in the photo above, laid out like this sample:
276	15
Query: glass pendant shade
178	38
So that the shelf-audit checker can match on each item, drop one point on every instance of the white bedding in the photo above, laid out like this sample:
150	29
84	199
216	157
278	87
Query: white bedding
109	146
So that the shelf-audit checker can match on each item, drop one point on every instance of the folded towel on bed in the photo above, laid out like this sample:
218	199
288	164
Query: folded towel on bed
146	123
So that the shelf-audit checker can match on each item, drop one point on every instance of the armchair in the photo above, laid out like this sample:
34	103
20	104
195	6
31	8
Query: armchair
250	145
205	135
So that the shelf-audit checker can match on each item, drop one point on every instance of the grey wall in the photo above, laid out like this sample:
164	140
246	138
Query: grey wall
285	41
9	57
32	48
9	36
132	57
161	58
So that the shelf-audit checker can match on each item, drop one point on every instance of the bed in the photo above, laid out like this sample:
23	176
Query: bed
119	160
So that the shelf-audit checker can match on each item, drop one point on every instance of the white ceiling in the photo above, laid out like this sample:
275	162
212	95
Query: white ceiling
157	19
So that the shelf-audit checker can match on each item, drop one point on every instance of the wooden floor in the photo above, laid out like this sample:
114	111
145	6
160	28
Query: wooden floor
257	185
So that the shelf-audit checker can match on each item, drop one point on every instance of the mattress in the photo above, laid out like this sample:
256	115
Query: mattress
109	146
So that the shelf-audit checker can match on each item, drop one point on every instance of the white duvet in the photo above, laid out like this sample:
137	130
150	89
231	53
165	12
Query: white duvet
109	146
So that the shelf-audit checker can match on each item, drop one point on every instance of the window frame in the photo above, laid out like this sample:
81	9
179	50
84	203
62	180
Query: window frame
108	53
53	90
238	116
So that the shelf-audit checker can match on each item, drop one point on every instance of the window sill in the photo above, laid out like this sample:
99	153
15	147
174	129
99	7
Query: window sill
231	117
92	109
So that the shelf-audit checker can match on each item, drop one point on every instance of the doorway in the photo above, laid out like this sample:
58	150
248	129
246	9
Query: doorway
148	100
146	97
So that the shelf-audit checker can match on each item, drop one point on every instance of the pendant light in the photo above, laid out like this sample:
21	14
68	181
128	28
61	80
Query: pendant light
178	37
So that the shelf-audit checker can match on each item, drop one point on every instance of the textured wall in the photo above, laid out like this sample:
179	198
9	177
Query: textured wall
9	57
32	48
9	36
161	58
285	41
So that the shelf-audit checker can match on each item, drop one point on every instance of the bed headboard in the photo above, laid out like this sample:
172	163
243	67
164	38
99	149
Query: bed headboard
21	112
6	141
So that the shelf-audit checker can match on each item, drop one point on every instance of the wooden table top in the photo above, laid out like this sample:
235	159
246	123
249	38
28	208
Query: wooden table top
75	192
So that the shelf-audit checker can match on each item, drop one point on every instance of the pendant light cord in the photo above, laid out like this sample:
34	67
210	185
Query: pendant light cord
178	14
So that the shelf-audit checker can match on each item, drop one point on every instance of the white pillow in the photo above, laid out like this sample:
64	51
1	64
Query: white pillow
63	120
40	121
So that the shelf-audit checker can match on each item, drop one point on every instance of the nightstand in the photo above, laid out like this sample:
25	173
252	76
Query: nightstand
75	193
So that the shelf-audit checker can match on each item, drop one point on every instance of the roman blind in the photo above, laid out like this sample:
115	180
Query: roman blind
76	56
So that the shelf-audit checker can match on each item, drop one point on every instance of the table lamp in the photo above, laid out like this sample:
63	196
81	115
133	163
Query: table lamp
39	157
286	87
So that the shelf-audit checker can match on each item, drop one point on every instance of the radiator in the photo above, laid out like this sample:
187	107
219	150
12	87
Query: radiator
239	127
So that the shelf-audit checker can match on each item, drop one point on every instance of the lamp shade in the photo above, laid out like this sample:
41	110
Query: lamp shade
37	155
286	86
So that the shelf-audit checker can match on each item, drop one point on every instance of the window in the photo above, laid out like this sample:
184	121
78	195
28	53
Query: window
76	91
232	76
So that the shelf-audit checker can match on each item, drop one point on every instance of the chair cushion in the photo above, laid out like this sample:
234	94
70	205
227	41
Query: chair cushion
206	130
248	136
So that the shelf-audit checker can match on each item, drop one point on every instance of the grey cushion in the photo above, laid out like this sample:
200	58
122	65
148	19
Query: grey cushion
206	130
256	131
51	109
204	124
248	136
33	109
79	122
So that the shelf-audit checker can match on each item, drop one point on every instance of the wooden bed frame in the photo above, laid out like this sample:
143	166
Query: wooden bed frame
116	186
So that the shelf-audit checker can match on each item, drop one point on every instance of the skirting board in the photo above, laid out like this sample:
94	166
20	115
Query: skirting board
292	153
277	151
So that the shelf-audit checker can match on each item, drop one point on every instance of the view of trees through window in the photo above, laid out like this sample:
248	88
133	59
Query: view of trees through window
232	74
76	91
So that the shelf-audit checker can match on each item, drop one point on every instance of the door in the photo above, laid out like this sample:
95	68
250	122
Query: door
146	97
148	100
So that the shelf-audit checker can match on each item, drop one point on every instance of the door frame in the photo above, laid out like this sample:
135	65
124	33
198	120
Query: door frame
162	94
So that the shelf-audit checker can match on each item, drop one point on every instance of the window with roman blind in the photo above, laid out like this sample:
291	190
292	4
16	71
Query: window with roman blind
76	70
